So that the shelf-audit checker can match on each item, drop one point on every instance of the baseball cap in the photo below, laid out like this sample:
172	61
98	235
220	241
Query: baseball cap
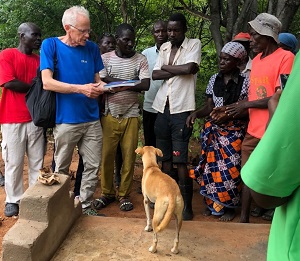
266	24
241	37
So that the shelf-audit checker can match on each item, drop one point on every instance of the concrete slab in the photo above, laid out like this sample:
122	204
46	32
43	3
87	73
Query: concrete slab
100	238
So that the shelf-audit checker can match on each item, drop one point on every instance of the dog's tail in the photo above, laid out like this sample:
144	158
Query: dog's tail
167	216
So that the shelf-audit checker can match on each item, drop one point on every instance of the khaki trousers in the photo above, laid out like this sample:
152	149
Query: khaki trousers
88	137
124	131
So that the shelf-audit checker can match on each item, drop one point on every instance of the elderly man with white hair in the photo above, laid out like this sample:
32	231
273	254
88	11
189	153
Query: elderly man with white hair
77	85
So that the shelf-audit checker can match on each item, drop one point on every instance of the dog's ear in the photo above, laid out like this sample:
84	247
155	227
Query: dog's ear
158	152
139	150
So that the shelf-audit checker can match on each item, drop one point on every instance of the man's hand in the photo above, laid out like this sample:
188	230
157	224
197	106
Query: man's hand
117	89
273	102
194	68
92	90
191	119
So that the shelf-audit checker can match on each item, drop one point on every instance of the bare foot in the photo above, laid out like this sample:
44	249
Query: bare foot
245	215
244	219
228	216
206	212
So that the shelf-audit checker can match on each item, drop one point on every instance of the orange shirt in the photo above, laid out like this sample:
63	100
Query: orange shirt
264	77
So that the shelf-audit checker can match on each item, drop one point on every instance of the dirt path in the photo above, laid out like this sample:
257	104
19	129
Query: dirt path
113	209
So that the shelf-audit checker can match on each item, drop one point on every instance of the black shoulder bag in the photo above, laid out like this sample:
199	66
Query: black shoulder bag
41	103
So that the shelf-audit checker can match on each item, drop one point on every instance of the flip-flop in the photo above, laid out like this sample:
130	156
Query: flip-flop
103	202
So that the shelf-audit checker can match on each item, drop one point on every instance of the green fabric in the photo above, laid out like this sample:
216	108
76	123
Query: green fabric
274	169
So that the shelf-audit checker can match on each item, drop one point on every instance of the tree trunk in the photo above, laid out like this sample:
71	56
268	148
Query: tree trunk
248	13
235	21
232	14
286	11
216	24
123	8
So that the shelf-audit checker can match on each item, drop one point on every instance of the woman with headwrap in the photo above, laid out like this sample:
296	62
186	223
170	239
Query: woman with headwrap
218	172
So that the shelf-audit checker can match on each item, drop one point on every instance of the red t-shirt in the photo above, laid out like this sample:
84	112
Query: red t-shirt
264	77
15	65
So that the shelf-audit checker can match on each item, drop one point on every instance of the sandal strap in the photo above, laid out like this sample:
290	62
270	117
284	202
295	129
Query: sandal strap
101	201
125	204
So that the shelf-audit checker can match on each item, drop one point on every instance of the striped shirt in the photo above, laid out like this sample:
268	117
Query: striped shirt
123	104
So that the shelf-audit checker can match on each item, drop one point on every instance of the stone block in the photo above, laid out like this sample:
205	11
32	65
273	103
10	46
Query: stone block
47	214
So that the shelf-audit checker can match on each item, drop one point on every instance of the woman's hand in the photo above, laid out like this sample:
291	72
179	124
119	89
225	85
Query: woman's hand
236	109
219	116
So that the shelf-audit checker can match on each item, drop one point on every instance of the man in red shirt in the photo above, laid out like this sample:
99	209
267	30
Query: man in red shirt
20	136
268	64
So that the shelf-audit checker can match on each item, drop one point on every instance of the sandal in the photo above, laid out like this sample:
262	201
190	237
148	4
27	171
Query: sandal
125	204
103	202
257	212
268	215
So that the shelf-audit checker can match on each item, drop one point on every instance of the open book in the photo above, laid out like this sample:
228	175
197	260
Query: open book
122	83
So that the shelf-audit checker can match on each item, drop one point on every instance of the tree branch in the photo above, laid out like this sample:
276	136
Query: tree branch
193	11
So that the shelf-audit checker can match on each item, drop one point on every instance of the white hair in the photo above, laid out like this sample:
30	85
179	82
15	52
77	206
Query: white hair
70	15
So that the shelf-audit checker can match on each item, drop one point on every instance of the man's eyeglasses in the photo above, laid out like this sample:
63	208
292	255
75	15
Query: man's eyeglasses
86	31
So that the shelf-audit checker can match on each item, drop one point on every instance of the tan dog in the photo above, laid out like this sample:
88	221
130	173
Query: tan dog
162	190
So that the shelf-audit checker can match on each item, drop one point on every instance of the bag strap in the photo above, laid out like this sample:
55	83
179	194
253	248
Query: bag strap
54	58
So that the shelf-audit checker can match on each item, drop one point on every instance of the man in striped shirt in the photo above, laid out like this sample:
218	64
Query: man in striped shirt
120	120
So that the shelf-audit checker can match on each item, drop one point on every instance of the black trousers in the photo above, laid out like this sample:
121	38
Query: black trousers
149	119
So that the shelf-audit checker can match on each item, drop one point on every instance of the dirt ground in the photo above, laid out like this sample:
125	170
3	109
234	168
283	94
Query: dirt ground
113	209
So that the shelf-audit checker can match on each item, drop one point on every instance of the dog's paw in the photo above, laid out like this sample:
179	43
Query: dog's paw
152	249
148	228
174	250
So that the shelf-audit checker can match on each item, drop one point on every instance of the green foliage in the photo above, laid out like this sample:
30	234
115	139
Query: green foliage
46	14
197	127
105	16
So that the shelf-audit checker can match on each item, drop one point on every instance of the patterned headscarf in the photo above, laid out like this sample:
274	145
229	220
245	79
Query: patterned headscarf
234	49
